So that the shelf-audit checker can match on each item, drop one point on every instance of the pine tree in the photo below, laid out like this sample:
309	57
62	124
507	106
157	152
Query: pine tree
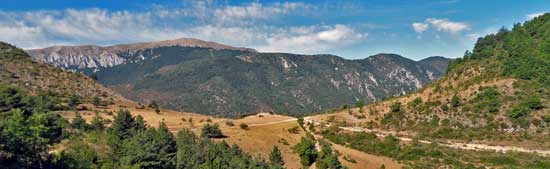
306	150
167	144
78	122
327	159
211	131
97	123
122	124
139	124
275	156
74	100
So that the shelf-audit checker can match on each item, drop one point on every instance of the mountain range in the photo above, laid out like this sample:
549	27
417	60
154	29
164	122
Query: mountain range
210	78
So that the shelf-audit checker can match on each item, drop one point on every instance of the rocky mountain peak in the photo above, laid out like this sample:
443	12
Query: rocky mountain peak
92	56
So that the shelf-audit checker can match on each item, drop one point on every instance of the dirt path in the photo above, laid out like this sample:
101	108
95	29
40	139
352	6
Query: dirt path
451	144
273	122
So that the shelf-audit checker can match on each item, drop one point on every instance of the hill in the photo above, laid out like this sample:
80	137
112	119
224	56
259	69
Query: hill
497	95
19	69
229	82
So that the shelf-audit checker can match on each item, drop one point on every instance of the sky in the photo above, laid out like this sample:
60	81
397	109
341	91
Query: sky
352	29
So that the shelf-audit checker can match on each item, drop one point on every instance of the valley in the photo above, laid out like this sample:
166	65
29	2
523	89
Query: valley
191	103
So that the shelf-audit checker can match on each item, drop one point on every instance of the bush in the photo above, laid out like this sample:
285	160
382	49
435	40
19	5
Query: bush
211	131
229	123
415	102
518	111
294	130
243	126
96	101
455	101
275	156
79	123
395	107
75	100
533	102
546	118
306	150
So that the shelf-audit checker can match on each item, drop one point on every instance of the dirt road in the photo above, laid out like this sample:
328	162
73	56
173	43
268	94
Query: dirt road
451	144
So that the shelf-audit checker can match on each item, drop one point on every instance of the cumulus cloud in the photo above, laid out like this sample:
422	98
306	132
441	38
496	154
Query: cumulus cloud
256	10
534	15
233	25
311	39
448	26
440	25
420	27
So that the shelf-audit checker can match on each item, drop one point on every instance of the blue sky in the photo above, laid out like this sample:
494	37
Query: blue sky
352	28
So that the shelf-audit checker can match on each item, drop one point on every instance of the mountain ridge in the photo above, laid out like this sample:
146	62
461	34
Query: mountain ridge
235	82
94	56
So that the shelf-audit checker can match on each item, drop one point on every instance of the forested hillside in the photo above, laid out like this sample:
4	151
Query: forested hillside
232	83
496	95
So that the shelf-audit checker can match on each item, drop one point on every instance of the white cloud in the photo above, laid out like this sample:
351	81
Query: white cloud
534	15
448	26
312	39
420	27
35	29
256	10
440	25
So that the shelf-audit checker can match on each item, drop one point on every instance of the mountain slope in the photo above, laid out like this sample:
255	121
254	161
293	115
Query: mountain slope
230	82
498	94
19	69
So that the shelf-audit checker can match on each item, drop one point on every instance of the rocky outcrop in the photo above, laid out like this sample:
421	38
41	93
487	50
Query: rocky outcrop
90	56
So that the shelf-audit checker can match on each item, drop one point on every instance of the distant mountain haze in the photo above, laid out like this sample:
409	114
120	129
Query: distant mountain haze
210	78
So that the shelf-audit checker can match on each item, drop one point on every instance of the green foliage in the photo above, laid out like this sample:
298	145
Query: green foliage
211	131
395	107
12	98
275	156
301	121
96	101
327	159
533	102
546	118
521	53
27	128
359	104
74	100
243	126
518	111
415	102
139	123
306	150
98	123
79	123
152	148
122	124
455	101
488	100
294	130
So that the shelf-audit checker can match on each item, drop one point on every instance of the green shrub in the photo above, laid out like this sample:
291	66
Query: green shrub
243	126
211	131
518	111
306	150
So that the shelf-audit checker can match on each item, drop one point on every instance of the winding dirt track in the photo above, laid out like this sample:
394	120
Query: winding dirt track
451	144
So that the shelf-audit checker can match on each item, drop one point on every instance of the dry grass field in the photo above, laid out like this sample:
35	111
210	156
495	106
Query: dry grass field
264	131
